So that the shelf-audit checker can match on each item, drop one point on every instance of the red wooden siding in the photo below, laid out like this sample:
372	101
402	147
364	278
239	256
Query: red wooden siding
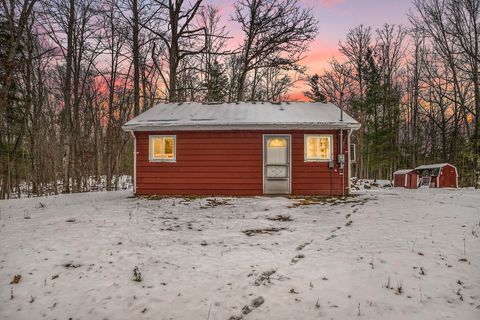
406	180
448	177
231	163
412	180
399	180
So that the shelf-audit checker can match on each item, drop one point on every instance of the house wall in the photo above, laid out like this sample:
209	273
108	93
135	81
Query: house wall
231	163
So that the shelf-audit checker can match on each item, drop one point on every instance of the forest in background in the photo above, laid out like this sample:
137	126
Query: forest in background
72	72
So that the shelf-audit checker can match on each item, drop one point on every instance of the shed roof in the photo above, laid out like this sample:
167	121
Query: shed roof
241	115
432	166
403	171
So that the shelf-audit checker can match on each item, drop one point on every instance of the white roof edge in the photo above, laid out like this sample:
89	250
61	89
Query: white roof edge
403	171
236	126
433	166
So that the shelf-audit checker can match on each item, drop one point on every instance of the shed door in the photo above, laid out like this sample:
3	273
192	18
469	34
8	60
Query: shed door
276	162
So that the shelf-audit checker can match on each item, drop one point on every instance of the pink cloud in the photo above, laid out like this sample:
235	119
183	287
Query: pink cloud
330	3
317	61
321	52
323	3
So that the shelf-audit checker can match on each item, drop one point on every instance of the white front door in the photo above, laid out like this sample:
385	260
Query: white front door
276	164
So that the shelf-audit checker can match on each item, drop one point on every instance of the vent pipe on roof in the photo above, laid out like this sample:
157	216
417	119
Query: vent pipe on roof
341	105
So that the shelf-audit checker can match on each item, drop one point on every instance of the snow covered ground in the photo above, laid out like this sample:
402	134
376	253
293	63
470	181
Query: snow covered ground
382	254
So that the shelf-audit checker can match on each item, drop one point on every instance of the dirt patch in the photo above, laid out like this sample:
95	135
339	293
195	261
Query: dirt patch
16	279
212	203
269	231
327	200
281	218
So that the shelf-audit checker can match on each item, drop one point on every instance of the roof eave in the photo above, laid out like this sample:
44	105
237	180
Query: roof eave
226	126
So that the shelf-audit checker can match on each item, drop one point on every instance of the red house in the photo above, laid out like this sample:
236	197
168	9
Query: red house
240	149
442	175
407	178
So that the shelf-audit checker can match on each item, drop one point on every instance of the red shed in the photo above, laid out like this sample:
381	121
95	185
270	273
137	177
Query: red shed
442	175
407	178
243	148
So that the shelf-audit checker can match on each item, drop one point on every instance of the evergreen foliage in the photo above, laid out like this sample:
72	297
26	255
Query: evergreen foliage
315	94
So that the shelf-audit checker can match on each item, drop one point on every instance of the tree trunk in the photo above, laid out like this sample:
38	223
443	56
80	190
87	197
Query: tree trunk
67	118
136	58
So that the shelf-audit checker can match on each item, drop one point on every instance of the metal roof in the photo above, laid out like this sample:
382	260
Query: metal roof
403	171
432	166
241	115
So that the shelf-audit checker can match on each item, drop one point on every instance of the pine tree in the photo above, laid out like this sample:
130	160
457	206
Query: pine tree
216	83
381	109
315	94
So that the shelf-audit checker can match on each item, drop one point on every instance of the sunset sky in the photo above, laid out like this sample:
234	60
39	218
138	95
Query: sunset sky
335	18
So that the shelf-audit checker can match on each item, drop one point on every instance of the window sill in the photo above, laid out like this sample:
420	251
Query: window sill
315	160
163	160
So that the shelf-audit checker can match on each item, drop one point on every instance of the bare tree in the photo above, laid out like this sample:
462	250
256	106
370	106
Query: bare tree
173	22
276	34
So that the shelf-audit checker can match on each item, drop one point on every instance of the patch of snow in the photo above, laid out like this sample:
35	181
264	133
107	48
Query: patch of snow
241	115
121	182
382	254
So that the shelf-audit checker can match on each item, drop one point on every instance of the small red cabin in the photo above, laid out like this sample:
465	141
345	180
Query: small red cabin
407	178
243	148
442	175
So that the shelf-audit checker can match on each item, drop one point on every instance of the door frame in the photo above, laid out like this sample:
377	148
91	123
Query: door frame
264	156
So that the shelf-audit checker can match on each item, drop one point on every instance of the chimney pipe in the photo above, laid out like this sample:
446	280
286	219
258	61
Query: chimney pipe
341	106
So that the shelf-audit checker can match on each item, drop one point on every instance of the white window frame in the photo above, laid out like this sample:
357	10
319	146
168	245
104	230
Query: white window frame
150	148
305	144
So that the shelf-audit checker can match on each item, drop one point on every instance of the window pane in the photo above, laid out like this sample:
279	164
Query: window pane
324	148
157	148
318	148
169	148
277	143
312	148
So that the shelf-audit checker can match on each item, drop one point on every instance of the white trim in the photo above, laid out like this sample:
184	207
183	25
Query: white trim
289	159
456	177
150	155
225	126
134	162
349	165
305	137
433	166
263	164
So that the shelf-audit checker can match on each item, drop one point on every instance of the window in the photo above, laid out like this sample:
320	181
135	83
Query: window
162	148
318	147
277	143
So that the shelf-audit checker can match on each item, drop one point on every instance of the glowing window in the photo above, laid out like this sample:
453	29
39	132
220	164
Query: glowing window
277	143
162	148
318	148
